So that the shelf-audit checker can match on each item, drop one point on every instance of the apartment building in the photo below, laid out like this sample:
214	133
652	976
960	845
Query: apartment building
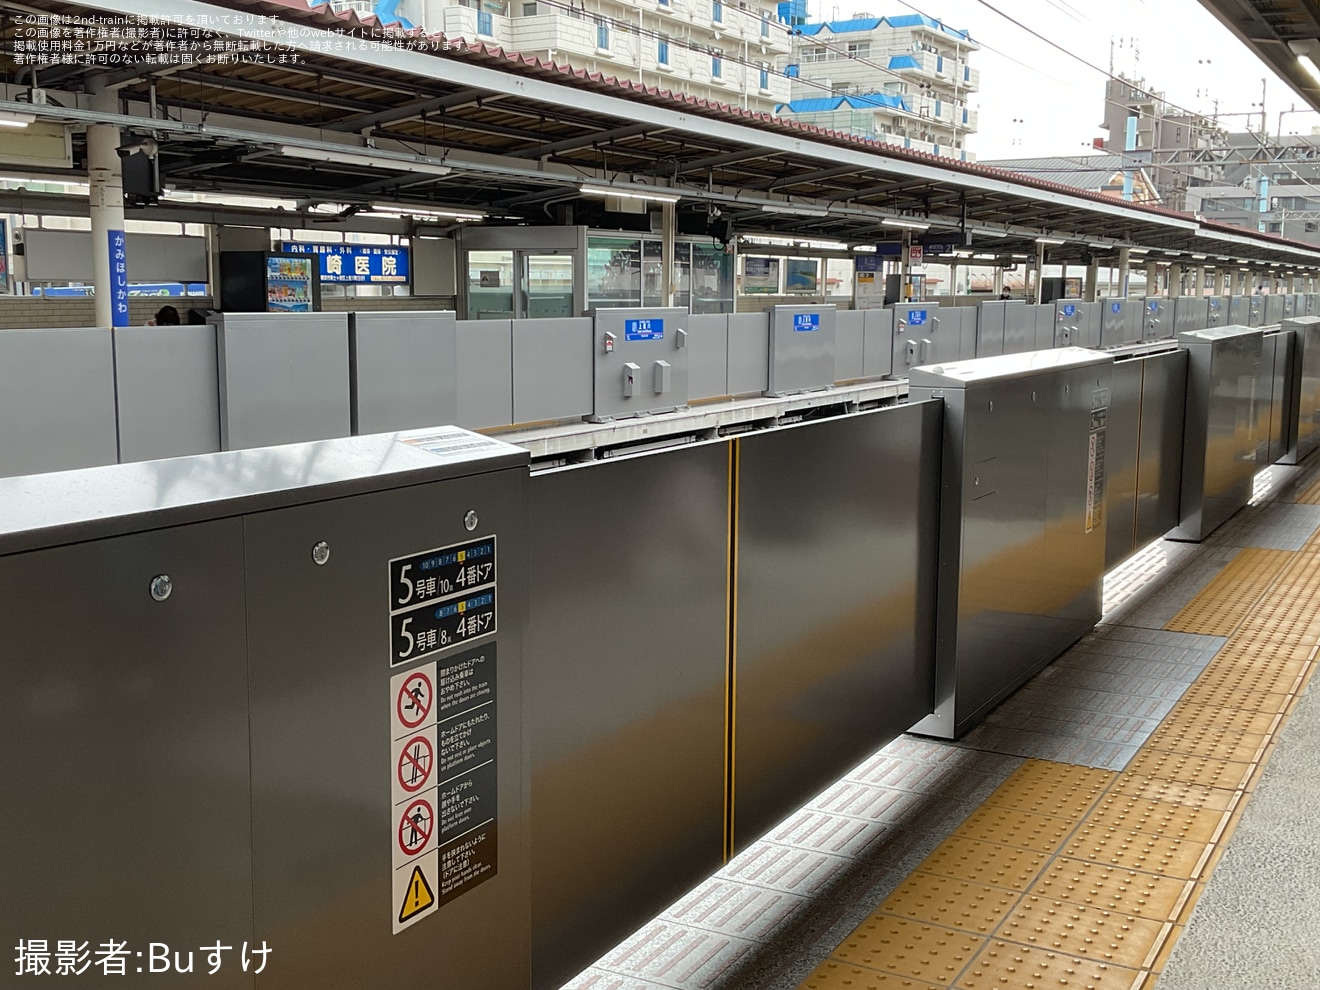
904	80
725	51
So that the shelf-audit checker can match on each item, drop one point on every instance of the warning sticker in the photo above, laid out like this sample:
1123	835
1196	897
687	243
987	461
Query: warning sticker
416	827
414	898
1095	459
414	764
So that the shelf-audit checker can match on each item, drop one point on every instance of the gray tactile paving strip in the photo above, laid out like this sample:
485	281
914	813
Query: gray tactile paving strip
775	911
1283	483
1273	526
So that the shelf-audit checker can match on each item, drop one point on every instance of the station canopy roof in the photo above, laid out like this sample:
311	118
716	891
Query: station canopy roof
1278	32
351	121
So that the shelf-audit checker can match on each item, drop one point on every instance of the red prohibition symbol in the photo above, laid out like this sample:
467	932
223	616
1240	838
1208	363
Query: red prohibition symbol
416	826
415	700
416	761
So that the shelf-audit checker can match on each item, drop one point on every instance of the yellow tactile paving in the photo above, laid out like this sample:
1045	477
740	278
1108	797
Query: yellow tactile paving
1093	933
1003	965
1141	851
835	975
1310	495
1110	888
1121	811
910	948
985	862
1070	876
972	907
1011	827
1222	604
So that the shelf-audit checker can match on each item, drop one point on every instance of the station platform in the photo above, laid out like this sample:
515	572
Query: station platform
1140	814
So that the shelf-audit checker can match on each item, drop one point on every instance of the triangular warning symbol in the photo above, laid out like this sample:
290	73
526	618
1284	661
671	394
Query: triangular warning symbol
417	897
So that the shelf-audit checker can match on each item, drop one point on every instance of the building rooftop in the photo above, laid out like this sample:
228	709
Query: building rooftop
1090	172
858	24
865	101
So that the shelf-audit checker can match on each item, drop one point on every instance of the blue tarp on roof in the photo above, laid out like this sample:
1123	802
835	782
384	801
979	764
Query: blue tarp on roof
824	104
871	23
904	62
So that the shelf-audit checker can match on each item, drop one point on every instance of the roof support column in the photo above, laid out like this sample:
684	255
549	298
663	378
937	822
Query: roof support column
1152	279
1090	288
1175	280
999	282
1124	265
105	180
1219	282
905	282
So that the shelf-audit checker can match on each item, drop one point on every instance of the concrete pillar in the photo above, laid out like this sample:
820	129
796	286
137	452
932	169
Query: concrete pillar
1090	287
999	282
668	264
1152	279
904	282
1124	265
105	179
1175	280
953	278
1219	282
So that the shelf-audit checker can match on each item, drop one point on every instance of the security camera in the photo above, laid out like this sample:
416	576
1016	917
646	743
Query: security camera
146	145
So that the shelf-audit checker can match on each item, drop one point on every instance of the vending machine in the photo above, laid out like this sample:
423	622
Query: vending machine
269	282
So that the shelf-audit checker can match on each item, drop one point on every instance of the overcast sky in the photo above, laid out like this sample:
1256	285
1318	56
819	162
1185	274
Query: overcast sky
1035	100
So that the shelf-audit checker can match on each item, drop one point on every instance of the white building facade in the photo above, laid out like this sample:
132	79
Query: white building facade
725	51
903	80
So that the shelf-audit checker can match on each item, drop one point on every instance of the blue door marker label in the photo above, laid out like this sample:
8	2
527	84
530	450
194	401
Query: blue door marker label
806	322
917	318
1115	307
644	329
1070	310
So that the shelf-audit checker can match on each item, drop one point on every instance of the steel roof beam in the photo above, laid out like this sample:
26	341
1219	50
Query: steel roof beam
585	141
410	111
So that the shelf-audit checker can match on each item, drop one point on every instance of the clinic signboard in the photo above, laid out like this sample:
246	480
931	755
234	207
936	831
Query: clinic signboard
356	264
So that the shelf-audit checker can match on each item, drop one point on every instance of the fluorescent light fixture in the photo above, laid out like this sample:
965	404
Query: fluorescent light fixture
11	119
1100	247
1199	257
796	211
907	224
425	212
864	249
631	192
1050	240
1304	50
365	159
1138	250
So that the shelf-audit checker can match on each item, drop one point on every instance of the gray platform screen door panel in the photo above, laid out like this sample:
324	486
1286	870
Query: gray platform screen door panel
57	400
283	378
167	392
485	388
626	713
849	342
404	373
802	349
551	369
641	361
708	369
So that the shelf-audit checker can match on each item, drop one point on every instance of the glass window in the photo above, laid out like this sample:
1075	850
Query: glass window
663	3
603	35
716	66
765	24
614	271
859	49
485	24
712	279
717	12
765	78
662	51
490	285
529	10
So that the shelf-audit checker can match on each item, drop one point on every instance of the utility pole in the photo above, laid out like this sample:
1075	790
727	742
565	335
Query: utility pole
1264	124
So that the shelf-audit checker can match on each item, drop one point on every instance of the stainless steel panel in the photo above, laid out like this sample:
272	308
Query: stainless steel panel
969	316
403	370
1263	401
1218	311
1190	313
749	353
625	710
1022	535
1122	443
1019	328
1302	427
1045	321
1254	308
167	392
877	343
1283	398
1219	451
919	338
1289	306
802	349
283	378
1159	468
57	400
1120	322
647	351
849	345
485	386
708	364
125	769
1157	318
991	319
1273	309
322	811
1076	324
835	595
1238	311
552	369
